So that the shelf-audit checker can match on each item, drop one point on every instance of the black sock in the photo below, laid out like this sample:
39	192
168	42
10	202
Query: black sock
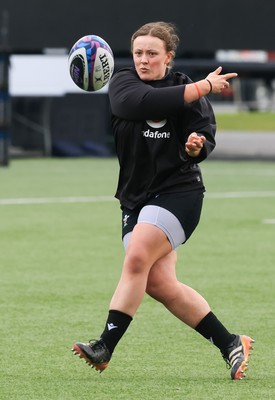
116	325
214	331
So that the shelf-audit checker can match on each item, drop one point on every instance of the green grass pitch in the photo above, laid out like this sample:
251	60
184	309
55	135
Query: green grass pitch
60	260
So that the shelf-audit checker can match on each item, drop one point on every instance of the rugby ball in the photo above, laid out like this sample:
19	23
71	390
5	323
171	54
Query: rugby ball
91	63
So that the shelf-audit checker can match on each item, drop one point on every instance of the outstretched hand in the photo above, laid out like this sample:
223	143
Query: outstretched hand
218	81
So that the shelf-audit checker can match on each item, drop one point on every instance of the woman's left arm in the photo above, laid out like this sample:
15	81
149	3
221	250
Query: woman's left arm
200	128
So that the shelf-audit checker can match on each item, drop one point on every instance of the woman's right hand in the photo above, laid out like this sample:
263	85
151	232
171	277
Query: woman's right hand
218	81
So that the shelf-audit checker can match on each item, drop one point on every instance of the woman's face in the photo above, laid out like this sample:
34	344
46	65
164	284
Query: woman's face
150	57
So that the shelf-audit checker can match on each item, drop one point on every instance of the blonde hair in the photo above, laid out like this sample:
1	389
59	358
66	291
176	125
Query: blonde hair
165	31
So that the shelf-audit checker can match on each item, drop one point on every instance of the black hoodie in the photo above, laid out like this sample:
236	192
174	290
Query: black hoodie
151	124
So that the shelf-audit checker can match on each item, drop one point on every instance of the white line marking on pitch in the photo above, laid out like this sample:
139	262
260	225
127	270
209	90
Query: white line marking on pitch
52	200
103	199
269	221
239	195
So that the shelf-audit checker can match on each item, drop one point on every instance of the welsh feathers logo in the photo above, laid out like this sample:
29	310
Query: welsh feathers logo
153	123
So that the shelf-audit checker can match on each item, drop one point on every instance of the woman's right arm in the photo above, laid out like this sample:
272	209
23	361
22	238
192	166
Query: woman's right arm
213	83
132	99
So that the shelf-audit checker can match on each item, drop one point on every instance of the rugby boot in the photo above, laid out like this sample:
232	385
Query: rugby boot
95	353
236	355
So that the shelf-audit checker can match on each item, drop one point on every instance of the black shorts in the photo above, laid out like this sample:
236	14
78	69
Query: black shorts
186	206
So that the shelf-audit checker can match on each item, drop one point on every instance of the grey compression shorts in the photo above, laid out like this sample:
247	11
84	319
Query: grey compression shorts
164	220
176	214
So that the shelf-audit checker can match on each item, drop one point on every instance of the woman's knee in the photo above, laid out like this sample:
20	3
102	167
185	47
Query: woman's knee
162	278
154	288
136	261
